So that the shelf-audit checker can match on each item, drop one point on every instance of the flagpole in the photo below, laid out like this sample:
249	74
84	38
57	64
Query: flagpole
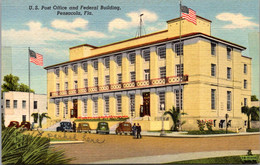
180	69
29	79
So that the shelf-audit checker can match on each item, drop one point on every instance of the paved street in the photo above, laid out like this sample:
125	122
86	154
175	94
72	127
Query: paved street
118	147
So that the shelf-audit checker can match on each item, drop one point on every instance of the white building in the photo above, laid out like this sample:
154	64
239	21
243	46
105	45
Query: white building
15	106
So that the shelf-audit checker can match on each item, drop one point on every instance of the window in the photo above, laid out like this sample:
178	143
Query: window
147	74
119	103
57	102
7	103
245	101
65	69
162	72
15	103
228	100
95	64
66	106
66	85
177	101
106	99
245	68
85	66
132	102
179	48
107	80
96	81
75	84
213	98
213	70
75	69
162	100
132	76
57	72
24	104
179	69
119	78
57	87
245	84
95	100
35	105
119	60
162	51
85	83
146	54
107	62
213	49
132	58
85	101
228	73
228	53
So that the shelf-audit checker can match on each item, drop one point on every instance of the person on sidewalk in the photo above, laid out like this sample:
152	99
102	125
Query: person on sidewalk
74	126
138	129
134	130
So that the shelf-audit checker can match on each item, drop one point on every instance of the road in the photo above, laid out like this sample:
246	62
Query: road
117	147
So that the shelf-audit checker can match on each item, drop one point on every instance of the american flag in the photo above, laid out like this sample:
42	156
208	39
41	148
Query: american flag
36	58
190	16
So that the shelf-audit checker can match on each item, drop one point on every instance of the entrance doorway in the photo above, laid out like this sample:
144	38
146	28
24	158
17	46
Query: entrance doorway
74	111
145	110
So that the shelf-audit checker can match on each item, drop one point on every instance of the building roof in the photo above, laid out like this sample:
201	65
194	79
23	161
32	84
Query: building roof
175	19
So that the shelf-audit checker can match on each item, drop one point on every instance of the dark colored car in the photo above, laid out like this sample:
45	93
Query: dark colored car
64	127
14	124
25	125
83	127
124	127
102	128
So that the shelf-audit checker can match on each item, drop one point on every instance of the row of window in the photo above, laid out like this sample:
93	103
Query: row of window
15	104
213	50
119	103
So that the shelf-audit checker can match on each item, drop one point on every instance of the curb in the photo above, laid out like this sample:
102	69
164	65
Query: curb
66	142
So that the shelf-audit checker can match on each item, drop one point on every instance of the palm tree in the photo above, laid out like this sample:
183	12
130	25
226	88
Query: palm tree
175	115
249	111
41	117
35	117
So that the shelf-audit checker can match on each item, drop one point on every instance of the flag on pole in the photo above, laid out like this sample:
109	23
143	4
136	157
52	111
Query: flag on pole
36	58
188	14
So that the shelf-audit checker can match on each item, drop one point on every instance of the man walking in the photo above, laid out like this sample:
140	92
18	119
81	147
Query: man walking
138	128
134	130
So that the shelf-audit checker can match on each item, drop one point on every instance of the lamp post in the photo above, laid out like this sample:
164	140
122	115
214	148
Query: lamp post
226	122
132	113
162	131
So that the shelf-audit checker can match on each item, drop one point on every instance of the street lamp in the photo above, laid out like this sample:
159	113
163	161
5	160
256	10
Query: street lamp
132	113
226	122
162	131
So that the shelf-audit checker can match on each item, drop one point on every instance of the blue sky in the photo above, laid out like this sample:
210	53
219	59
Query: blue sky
52	35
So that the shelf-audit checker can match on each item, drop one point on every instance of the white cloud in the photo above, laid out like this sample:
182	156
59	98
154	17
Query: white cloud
120	24
238	21
78	23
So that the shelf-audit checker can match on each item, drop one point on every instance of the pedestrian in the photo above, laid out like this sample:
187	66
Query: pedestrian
32	128
74	126
138	129
134	130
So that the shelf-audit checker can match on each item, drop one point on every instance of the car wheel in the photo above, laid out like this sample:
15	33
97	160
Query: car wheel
120	133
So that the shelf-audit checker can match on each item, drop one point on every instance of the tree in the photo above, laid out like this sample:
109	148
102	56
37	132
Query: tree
10	83
41	117
255	113
254	98
249	112
24	88
35	117
175	115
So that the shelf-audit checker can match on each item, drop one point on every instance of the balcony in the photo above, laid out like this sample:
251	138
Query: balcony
122	86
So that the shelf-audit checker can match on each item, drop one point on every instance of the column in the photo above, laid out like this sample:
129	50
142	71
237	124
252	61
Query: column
70	106
125	68
100	105
169	98
90	75
169	60
89	107
70	77
154	102
80	76
154	69
101	75
80	106
112	105
139	71
112	71
138	102
125	104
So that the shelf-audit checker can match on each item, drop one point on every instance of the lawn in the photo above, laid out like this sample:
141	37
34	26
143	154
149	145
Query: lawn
206	132
253	130
218	160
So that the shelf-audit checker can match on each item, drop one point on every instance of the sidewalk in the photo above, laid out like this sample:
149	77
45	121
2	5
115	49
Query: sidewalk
159	159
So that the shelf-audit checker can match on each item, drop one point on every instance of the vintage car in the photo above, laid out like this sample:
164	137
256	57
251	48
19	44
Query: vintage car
102	128
124	127
64	127
25	125
83	127
14	124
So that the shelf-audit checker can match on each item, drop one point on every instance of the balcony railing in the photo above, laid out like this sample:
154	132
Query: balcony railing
125	85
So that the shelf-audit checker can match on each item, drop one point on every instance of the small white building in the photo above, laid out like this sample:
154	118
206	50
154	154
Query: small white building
15	106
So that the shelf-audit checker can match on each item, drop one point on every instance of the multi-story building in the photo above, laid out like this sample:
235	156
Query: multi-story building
15	106
141	77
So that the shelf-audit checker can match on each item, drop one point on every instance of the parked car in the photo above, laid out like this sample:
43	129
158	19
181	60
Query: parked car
102	128
64	127
84	127
14	124
124	127
25	125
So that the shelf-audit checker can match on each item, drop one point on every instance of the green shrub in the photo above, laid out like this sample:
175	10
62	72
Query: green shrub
196	132
253	130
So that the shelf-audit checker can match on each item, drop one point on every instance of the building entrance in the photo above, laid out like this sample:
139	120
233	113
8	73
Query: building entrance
74	111
145	110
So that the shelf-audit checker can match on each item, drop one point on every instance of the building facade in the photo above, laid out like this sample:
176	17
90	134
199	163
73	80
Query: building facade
205	76
15	106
